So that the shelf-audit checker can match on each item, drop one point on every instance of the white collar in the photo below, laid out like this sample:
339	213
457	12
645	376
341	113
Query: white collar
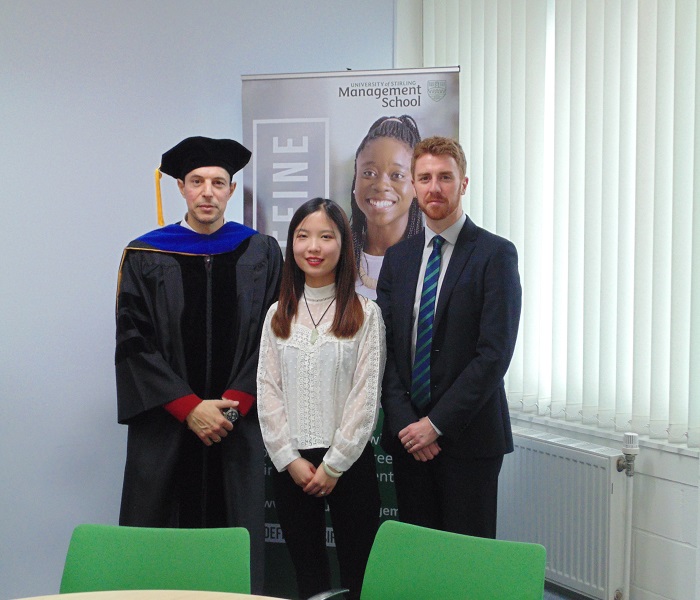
321	293
450	234
186	225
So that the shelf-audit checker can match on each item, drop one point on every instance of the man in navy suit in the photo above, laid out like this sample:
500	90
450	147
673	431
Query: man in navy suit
448	444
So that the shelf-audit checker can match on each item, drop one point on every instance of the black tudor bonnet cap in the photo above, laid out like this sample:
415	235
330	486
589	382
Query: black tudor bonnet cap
195	152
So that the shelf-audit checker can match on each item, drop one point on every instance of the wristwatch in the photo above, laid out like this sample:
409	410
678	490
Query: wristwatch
232	415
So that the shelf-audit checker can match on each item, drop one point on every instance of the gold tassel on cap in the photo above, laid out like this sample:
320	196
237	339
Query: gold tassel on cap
159	199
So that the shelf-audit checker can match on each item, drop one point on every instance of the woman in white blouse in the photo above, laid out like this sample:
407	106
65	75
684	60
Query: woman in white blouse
322	358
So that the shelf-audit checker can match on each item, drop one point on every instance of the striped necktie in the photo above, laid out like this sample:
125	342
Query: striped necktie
420	384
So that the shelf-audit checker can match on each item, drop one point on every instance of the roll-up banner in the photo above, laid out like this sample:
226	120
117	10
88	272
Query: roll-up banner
305	130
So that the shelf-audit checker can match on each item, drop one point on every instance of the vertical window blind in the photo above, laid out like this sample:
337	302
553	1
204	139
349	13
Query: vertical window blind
579	121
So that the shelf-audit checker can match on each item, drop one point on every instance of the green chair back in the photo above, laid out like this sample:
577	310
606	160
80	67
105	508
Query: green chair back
415	563
109	557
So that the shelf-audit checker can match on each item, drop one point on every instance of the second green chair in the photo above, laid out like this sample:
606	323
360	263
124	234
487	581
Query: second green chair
408	562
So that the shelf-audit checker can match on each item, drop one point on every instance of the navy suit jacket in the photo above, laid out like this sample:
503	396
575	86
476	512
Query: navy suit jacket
474	334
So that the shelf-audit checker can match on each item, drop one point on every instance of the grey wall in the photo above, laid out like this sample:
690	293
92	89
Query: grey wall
91	93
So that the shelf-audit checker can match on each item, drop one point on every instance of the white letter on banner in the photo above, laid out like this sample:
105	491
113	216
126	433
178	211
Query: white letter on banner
286	174
290	147
285	218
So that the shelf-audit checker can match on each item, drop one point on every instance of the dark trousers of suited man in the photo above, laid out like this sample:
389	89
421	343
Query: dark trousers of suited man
448	439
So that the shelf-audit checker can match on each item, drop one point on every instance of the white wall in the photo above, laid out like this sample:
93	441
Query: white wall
91	93
665	526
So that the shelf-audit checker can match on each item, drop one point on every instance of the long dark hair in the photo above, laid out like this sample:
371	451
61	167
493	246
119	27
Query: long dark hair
349	315
403	129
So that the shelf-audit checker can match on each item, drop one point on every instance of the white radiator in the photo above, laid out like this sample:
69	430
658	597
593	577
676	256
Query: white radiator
568	496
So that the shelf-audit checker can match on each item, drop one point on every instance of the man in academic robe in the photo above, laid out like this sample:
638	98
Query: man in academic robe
450	298
191	302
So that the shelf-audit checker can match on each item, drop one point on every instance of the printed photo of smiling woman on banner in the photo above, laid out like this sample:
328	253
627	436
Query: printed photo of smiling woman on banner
347	136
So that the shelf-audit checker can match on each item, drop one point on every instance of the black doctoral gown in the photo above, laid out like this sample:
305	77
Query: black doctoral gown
190	310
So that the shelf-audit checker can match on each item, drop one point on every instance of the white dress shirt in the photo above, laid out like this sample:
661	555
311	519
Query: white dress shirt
450	236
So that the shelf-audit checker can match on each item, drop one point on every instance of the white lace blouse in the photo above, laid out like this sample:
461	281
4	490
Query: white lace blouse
323	394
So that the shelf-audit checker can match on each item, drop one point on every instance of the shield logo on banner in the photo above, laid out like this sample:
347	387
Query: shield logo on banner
437	90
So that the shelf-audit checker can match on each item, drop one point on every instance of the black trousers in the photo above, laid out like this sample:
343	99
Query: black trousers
354	507
448	493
